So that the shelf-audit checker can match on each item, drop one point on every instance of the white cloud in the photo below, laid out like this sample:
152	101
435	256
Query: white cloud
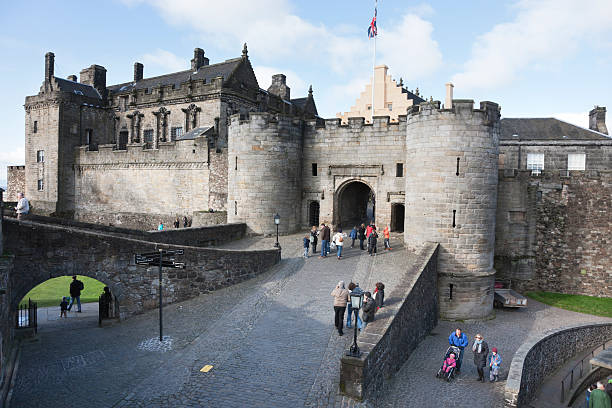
543	33
164	61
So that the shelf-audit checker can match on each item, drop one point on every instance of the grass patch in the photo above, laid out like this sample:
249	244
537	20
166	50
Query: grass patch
576	303
49	293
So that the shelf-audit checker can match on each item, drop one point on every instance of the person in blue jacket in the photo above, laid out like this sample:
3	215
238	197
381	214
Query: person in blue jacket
458	339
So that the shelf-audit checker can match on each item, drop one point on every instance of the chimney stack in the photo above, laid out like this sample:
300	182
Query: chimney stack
72	78
279	87
448	103
597	119
49	66
199	60
95	76
138	71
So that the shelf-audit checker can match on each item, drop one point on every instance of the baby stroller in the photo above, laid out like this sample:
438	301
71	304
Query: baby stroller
451	373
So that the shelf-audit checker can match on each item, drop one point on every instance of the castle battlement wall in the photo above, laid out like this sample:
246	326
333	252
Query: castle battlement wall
452	198
264	171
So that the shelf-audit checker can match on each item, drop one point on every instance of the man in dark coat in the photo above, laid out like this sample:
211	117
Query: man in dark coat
481	352
362	237
76	286
369	309
325	233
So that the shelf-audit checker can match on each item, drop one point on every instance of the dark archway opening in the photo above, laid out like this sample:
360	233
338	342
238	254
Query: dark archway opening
313	213
356	205
397	217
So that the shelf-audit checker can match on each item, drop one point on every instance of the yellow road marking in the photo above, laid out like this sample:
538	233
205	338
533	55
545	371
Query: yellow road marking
206	368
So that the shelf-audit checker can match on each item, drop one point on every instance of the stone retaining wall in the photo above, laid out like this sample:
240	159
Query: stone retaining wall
539	357
44	251
389	340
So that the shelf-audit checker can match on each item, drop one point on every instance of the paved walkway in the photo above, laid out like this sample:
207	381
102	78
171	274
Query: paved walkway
270	340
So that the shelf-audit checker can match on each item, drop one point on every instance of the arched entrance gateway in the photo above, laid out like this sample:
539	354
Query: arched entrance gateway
354	204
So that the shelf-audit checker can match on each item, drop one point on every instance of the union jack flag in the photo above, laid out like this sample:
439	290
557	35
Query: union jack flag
372	30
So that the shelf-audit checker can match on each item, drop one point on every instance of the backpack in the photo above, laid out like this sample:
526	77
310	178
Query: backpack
340	239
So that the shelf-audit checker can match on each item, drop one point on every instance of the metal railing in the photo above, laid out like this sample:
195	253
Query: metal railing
579	369
26	316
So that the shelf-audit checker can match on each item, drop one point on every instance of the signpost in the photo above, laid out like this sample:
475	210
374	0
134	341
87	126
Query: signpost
164	258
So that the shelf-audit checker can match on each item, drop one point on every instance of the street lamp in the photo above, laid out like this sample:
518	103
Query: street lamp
356	303
277	221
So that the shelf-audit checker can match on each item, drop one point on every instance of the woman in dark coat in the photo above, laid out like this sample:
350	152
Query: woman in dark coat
480	348
361	235
368	309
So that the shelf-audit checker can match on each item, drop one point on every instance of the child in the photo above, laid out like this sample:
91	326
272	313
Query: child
306	245
64	307
494	363
353	236
449	363
379	294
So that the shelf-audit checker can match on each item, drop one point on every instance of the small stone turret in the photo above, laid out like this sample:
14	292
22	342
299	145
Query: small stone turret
451	198
265	172
597	119
199	60
138	71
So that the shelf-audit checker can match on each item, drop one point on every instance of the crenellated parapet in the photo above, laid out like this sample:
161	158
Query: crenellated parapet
265	171
451	198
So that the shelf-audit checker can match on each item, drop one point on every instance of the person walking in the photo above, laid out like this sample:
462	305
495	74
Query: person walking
160	227
314	237
339	242
185	222
480	348
353	236
353	288
387	237
458	339
369	309
327	245
23	206
324	240
177	223
76	286
379	295
372	241
306	245
599	398
494	364
362	236
341	297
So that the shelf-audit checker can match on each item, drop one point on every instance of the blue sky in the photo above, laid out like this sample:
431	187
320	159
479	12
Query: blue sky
536	58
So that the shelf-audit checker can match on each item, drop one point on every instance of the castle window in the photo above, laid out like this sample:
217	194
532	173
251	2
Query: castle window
35	129
390	106
314	169
535	163
40	185
176	132
369	107
73	129
576	161
235	207
40	156
148	138
399	170
236	164
88	136
454	216
457	172
450	291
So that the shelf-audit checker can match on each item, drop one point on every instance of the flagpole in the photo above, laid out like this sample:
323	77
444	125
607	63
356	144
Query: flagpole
374	62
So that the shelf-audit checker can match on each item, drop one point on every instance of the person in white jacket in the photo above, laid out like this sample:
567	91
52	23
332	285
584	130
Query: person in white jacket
338	240
23	206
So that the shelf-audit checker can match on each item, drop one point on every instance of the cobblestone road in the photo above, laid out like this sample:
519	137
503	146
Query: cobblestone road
270	340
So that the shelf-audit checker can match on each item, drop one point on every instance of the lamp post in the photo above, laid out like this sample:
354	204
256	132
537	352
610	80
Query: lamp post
356	303
277	221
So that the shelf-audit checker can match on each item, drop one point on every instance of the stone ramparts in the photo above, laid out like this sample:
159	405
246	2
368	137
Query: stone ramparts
388	341
44	251
539	357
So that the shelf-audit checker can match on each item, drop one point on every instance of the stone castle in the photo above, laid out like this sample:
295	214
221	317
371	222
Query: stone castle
489	190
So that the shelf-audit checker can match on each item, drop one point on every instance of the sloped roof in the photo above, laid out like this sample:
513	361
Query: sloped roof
192	134
545	129
207	72
417	99
299	102
77	88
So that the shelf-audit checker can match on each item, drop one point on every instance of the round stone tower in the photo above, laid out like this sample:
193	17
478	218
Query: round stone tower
451	198
265	172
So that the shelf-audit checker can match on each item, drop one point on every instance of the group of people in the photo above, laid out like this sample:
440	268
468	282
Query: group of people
480	349
177	223
372	301
359	232
599	395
